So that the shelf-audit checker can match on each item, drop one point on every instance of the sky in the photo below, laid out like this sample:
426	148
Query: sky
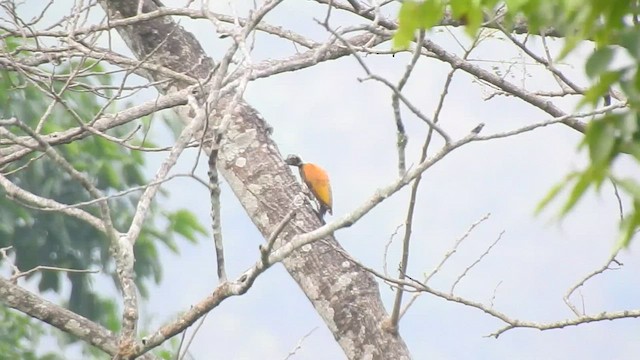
329	117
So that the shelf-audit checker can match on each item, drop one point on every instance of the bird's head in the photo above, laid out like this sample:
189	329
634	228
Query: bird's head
293	160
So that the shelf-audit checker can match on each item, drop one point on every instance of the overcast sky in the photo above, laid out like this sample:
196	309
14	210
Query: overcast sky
328	117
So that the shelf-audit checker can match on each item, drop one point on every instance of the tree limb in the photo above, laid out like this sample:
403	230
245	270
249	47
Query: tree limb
33	305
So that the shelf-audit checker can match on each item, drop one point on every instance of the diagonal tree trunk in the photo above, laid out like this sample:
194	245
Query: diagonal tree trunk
345	296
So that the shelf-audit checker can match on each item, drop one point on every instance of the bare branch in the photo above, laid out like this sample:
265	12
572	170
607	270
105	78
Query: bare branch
512	323
50	205
214	187
26	145
397	312
607	266
17	298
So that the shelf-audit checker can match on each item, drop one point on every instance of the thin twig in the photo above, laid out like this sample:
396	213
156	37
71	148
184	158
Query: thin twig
5	256
454	249
466	271
444	259
606	266
299	344
402	138
15	277
266	250
387	246
192	337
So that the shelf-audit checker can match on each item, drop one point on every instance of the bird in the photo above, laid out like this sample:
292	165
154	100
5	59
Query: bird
317	181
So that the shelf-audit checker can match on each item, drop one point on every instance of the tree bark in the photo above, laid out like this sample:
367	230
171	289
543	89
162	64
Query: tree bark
346	297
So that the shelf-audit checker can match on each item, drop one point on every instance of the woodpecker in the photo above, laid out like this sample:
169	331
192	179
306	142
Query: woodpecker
317	181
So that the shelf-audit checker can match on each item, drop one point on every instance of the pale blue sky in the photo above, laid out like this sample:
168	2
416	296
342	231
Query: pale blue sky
328	117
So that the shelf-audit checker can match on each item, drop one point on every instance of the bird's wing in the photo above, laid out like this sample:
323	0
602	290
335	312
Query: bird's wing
318	182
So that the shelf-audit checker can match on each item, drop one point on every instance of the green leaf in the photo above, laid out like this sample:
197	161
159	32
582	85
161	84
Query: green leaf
585	179
459	8
599	61
628	125
108	176
629	226
416	15
601	140
553	193
515	5
407	24
186	224
570	43
630	186
601	88
474	19
430	13
630	40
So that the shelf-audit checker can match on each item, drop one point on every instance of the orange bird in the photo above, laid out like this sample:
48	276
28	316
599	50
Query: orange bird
316	180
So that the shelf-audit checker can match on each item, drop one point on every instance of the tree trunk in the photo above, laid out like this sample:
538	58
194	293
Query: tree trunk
345	296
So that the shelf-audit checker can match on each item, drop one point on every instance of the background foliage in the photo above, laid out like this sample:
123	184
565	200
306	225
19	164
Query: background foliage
75	244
